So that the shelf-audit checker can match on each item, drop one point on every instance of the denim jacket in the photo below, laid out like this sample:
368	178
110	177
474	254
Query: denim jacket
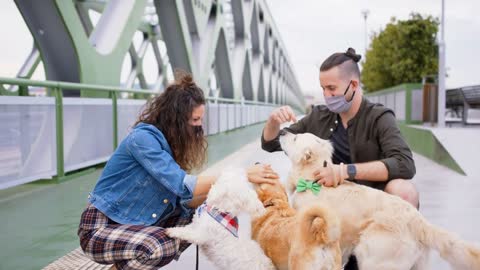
141	183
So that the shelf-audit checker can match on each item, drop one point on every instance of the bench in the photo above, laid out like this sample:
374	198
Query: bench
473	116
76	260
463	105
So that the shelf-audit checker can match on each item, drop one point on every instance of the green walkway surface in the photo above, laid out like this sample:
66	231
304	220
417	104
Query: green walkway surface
39	223
39	220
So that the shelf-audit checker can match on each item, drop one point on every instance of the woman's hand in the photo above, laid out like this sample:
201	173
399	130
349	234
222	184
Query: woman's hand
262	173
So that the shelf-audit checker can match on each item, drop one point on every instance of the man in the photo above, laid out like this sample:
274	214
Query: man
364	135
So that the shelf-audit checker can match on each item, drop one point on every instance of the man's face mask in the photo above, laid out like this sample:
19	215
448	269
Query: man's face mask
339	104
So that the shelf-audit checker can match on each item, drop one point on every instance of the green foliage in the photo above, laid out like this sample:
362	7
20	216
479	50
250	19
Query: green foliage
403	52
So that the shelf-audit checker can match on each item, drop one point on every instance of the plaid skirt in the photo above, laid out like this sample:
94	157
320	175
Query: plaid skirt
136	247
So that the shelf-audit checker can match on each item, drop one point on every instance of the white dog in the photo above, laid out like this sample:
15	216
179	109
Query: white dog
214	227
382	230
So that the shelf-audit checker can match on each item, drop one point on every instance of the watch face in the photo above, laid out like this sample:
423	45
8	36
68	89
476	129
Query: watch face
351	170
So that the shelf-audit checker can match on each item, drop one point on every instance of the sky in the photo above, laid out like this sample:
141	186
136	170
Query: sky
311	31
314	29
17	42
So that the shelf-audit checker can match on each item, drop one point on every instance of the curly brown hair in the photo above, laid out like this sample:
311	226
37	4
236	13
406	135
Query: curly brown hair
170	112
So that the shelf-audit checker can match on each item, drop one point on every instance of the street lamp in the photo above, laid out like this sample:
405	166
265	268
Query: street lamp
441	71
365	13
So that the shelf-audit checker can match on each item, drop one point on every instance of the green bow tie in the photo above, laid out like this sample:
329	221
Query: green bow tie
303	185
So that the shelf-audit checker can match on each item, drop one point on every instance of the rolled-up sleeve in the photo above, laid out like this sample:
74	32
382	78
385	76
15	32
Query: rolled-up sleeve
271	146
161	166
397	155
190	181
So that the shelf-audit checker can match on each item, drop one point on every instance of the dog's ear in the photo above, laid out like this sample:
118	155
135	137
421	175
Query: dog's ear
268	202
328	148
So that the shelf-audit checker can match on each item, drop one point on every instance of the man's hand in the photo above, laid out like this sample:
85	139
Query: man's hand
262	173
277	117
332	175
282	115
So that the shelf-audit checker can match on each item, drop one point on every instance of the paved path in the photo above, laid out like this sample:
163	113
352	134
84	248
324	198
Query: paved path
463	145
448	199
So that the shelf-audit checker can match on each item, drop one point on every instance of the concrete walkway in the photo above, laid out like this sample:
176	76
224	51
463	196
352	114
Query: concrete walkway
462	143
448	199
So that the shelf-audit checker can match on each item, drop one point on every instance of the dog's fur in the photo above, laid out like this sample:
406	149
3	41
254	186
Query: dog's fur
382	230
296	241
231	193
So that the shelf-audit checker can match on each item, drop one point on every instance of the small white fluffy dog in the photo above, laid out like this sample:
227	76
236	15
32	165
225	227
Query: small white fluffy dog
217	238
382	230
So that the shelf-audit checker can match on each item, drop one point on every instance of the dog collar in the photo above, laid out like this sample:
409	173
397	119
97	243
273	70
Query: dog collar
304	185
227	220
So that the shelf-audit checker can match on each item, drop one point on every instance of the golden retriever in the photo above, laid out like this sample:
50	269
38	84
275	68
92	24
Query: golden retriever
305	240
382	230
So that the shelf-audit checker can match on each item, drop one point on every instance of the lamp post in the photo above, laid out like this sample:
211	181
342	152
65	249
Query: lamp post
365	13
441	71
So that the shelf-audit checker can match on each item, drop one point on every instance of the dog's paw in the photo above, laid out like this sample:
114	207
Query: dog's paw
185	233
173	232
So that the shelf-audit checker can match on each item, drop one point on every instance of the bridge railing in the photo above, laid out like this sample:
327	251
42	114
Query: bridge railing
51	137
404	99
408	102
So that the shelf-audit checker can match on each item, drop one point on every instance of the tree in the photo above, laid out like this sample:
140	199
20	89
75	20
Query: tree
402	53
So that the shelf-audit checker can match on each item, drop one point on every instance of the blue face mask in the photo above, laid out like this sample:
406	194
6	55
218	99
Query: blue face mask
339	104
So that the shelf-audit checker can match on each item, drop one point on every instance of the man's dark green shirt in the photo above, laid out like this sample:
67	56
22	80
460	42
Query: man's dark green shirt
373	135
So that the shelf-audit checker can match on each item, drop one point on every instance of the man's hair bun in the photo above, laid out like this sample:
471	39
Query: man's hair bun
351	53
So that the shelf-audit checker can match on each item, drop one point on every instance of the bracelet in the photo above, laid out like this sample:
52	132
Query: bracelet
342	169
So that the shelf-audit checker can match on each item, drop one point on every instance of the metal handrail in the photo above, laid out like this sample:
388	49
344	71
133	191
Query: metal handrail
71	86
83	86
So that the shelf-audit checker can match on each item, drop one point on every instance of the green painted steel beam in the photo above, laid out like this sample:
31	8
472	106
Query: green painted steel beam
59	132
94	66
197	35
114	119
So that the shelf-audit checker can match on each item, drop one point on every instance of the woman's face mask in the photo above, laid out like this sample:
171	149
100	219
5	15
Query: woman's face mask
198	131
195	120
339	104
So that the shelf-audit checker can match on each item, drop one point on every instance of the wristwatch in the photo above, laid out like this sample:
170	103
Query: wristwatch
351	171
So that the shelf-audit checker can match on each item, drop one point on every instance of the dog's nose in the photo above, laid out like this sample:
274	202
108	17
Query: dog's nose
282	132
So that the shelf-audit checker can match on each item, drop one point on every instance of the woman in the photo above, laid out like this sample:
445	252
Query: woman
146	186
